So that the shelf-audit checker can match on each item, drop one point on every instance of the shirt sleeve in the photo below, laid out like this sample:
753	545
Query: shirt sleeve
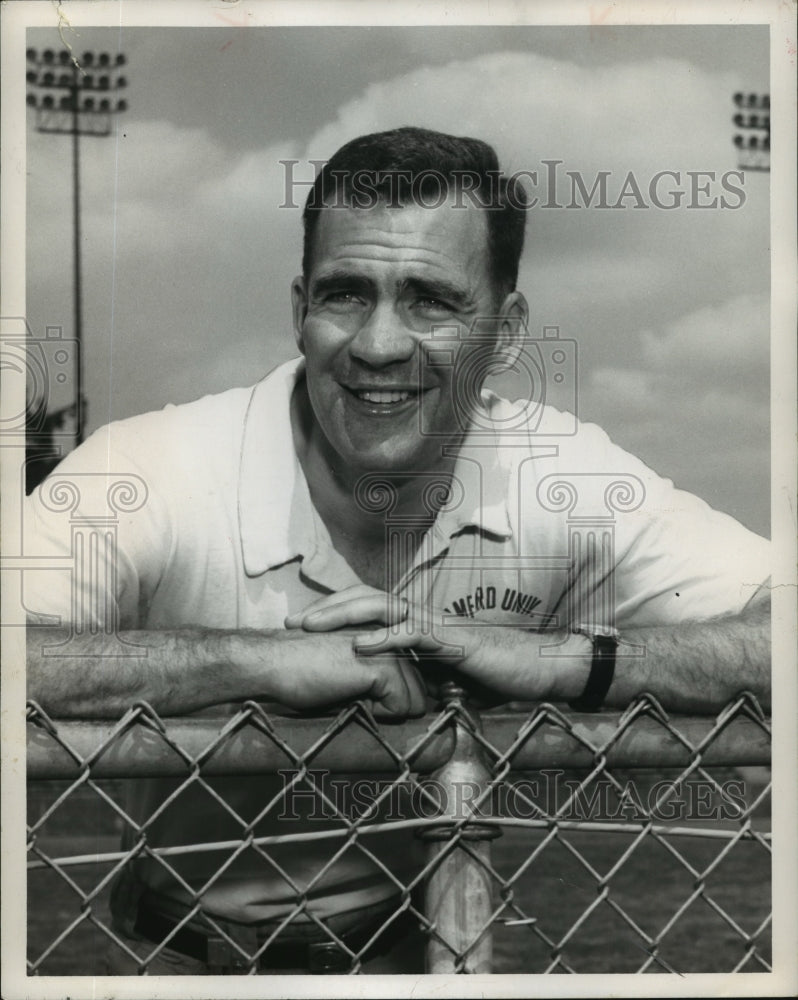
96	531
663	555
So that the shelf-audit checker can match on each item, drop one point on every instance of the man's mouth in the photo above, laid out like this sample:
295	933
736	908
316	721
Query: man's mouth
384	396
387	400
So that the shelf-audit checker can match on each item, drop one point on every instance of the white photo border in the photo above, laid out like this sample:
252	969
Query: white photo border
16	17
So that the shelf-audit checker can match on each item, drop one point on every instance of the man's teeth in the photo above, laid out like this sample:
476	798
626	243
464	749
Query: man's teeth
384	395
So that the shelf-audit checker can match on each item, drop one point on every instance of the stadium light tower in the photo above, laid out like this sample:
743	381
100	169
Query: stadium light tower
77	98
753	142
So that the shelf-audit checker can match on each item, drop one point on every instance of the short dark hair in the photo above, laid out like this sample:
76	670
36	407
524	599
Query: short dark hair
408	162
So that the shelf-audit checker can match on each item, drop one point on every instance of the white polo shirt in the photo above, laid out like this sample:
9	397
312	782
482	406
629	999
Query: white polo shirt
547	522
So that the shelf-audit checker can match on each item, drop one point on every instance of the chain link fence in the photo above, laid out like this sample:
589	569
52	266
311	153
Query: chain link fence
541	840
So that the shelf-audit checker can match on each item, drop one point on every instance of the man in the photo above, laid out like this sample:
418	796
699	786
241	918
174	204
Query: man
371	484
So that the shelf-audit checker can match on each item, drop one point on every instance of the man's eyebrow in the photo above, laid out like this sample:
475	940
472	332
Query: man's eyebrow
335	279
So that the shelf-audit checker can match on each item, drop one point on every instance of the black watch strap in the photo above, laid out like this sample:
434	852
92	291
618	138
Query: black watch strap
602	670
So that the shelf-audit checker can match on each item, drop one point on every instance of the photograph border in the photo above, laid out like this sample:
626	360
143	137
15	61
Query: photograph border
780	16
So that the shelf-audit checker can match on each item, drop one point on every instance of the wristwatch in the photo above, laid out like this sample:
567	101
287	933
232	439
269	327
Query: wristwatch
602	666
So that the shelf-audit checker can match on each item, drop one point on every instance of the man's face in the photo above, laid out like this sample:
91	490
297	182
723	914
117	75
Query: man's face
380	280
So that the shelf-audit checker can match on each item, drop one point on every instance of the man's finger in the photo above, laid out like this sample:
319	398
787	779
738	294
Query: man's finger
328	601
416	687
376	607
390	640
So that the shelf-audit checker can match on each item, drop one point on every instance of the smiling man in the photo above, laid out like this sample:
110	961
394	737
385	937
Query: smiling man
376	282
371	483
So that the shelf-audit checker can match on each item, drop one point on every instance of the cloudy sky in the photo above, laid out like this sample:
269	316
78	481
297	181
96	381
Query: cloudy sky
188	255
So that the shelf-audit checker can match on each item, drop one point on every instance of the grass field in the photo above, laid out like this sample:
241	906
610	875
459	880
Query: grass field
555	890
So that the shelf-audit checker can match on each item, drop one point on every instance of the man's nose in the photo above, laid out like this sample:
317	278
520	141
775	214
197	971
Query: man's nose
383	339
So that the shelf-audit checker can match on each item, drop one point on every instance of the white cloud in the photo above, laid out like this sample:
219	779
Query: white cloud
720	340
625	117
693	401
629	390
710	366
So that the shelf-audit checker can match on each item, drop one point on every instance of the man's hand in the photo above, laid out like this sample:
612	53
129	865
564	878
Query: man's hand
405	627
352	607
512	663
323	671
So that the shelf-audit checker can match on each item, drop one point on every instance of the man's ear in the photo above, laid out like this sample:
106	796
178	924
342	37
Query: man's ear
299	306
512	328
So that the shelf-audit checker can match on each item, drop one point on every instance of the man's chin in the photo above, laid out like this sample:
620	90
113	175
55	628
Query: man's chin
387	461
380	463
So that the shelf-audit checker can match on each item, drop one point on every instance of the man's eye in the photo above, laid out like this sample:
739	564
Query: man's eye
429	304
342	298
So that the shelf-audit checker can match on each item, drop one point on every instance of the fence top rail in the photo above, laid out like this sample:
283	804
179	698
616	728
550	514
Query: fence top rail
252	742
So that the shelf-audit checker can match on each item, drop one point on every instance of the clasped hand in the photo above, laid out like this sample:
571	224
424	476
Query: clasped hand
489	655
402	627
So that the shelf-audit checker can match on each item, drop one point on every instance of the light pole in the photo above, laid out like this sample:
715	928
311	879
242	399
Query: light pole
753	143
75	98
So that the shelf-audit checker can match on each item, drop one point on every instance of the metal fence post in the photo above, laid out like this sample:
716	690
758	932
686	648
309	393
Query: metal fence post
458	890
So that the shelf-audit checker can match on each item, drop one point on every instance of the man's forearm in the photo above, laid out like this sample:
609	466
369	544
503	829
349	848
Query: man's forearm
175	671
692	667
178	671
698	666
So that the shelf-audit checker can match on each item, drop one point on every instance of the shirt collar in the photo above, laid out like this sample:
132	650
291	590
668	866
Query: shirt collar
274	509
480	483
277	520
